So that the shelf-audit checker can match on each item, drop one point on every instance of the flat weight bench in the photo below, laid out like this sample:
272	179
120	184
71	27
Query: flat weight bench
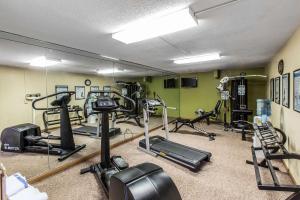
180	122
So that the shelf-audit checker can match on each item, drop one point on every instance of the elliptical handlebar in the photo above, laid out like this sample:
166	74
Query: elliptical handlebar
70	93
118	94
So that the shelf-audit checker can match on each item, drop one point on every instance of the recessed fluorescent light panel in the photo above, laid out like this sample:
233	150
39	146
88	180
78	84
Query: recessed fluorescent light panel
110	71
112	58
177	21
44	62
199	58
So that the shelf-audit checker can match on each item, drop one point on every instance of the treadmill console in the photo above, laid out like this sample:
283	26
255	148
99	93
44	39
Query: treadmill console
152	102
104	103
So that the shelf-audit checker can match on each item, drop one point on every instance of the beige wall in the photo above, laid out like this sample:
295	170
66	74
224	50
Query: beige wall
16	82
286	118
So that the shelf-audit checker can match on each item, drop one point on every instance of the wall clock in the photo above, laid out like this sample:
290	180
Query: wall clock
87	82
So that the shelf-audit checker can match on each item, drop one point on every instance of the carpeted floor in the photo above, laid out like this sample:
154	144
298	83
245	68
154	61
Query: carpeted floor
226	177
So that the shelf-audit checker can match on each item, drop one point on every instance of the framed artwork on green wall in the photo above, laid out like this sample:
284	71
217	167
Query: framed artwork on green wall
286	90
296	93
272	89
277	90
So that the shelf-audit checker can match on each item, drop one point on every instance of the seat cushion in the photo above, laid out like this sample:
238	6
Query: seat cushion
183	120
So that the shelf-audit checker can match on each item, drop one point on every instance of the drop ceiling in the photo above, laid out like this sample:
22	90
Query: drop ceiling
245	32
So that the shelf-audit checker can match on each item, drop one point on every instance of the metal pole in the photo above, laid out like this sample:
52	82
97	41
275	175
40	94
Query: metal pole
146	126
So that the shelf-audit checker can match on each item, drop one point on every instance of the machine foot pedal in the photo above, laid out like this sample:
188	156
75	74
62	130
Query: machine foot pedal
119	162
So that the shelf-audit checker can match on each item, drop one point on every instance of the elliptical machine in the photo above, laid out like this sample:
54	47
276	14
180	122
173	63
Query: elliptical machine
67	143
28	138
121	182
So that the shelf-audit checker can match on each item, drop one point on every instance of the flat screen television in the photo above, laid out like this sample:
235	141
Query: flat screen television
170	83
189	82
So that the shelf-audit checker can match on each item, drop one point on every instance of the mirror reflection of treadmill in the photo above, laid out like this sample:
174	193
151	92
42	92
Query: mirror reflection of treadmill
95	131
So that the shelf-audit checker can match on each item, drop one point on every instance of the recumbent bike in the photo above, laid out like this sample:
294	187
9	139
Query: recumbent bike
145	181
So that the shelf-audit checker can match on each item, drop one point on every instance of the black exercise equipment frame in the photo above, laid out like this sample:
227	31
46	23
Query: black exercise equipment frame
179	122
54	111
98	168
271	144
67	143
132	89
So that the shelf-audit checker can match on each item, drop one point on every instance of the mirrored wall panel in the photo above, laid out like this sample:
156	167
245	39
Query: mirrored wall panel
23	79
52	101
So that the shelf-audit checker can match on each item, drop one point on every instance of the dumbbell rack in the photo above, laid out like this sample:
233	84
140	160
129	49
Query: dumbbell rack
272	146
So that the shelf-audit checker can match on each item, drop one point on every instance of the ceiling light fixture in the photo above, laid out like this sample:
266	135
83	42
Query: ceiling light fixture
42	61
199	58
112	58
110	71
171	23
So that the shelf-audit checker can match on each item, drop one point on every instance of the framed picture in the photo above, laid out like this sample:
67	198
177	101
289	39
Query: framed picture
297	90
60	88
94	88
286	90
272	89
79	92
277	90
106	88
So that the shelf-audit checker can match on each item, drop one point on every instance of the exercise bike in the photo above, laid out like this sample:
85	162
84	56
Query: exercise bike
119	181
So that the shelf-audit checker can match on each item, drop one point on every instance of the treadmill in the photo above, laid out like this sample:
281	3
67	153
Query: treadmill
186	156
94	131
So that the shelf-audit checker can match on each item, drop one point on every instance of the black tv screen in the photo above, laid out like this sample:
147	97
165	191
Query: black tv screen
170	83
189	82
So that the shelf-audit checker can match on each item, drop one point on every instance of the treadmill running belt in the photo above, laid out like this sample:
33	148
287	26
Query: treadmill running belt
92	130
177	152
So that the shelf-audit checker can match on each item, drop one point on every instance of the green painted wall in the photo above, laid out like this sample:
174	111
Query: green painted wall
205	96
170	96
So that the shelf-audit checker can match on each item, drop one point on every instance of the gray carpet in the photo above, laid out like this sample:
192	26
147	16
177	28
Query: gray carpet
226	177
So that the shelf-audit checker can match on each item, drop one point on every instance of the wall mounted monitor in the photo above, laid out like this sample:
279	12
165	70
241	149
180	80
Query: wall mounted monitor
170	83
189	82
